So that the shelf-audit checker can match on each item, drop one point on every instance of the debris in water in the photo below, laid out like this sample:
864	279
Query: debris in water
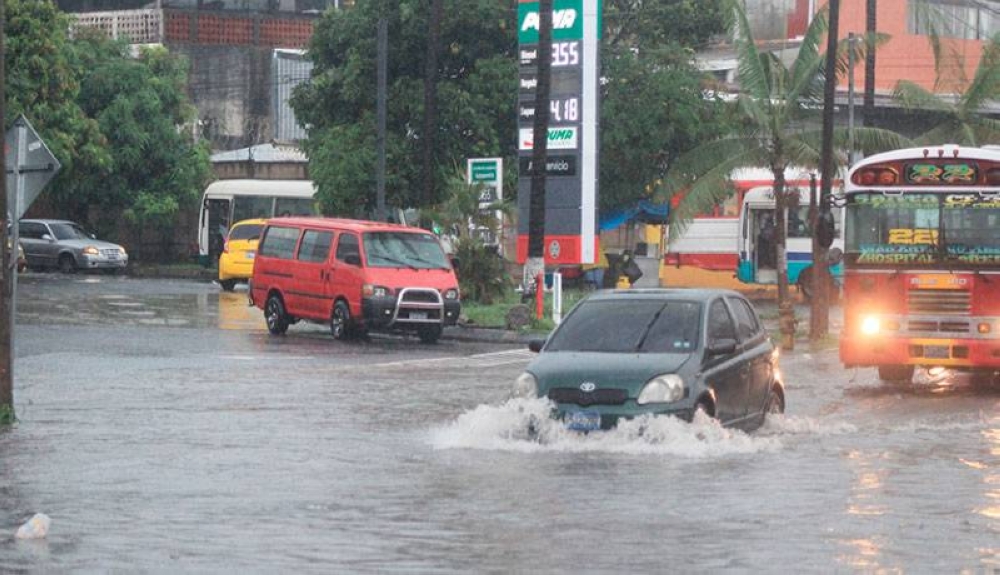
35	528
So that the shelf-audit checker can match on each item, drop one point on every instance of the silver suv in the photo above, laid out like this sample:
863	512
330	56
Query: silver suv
65	245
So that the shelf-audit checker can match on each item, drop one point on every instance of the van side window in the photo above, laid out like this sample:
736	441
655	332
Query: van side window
348	247
279	242
315	246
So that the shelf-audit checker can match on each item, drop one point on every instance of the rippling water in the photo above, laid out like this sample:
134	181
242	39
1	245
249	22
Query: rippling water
183	447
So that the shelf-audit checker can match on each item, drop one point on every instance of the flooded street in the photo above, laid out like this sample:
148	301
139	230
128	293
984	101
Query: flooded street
163	430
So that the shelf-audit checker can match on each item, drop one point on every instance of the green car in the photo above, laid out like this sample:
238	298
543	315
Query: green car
631	352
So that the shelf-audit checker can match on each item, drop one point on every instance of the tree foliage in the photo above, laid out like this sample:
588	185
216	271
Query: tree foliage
778	105
652	101
113	120
956	117
477	88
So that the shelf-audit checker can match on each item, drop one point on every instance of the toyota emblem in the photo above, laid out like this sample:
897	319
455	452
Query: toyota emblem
588	386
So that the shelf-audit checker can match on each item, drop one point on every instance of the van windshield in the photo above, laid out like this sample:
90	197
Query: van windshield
404	250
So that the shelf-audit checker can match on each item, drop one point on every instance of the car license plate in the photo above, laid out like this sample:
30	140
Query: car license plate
937	351
582	420
418	315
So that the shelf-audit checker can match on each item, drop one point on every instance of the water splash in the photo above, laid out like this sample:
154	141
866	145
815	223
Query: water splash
524	425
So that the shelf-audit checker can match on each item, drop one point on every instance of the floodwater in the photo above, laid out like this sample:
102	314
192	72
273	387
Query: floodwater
163	430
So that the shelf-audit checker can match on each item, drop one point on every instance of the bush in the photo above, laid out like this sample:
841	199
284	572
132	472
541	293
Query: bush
482	276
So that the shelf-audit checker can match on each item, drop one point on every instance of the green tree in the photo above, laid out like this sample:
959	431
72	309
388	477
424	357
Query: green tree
476	95
957	117
778	106
652	105
140	104
43	84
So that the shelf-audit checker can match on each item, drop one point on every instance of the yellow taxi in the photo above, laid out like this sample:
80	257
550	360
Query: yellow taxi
236	261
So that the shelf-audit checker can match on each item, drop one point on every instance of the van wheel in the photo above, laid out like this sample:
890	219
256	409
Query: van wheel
340	321
67	264
227	285
275	316
429	333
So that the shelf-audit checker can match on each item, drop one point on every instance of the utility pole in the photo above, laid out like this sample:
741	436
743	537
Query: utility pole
6	261
430	101
868	111
534	265
819	324
381	66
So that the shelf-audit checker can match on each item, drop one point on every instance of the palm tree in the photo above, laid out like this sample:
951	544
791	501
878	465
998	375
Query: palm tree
778	107
958	117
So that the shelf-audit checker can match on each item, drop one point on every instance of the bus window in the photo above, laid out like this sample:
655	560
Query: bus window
295	207
248	207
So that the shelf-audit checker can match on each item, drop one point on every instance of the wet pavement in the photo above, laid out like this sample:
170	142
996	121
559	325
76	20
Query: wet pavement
163	430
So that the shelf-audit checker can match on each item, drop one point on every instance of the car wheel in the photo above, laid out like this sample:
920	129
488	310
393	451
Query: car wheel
67	264
775	404
896	373
704	407
275	316
227	285
429	333
340	321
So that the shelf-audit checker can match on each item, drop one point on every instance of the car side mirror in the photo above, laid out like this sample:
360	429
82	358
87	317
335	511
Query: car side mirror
47	237
352	259
454	263
723	346
535	345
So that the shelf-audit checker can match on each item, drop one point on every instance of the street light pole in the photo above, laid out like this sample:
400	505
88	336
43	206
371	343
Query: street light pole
850	99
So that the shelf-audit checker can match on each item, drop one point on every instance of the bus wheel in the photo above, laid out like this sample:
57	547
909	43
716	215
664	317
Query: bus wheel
896	373
227	285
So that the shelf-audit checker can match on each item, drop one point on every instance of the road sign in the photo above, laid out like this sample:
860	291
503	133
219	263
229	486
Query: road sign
30	165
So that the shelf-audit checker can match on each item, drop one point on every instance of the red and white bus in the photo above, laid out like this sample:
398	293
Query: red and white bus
922	261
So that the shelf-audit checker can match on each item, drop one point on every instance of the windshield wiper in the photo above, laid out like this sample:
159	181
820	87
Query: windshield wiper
649	327
393	260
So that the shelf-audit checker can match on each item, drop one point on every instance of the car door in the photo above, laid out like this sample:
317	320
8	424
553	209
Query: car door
726	373
311	273
347	275
40	252
756	350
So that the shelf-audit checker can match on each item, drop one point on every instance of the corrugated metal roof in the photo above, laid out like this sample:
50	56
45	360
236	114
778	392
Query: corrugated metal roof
263	153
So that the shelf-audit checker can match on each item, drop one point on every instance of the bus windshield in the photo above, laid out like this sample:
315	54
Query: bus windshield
404	249
923	228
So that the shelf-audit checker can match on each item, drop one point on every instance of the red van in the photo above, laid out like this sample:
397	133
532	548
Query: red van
356	275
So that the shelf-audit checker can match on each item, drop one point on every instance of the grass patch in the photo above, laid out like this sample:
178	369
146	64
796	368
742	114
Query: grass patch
7	415
495	315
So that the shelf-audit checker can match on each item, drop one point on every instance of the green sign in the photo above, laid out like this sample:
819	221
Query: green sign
483	172
567	21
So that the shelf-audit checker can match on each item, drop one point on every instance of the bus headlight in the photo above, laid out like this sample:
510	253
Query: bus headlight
870	325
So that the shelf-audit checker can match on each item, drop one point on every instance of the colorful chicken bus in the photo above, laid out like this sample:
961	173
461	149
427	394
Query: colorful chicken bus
922	261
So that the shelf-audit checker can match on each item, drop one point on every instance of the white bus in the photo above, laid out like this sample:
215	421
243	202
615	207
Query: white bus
756	261
226	202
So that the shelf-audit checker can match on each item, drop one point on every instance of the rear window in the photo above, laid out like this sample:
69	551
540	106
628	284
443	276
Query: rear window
246	232
279	242
638	326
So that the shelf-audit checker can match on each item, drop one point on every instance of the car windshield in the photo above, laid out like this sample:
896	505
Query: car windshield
65	231
404	249
245	232
630	325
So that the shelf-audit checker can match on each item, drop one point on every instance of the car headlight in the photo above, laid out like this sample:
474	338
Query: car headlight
91	251
662	389
451	293
371	290
121	250
525	386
